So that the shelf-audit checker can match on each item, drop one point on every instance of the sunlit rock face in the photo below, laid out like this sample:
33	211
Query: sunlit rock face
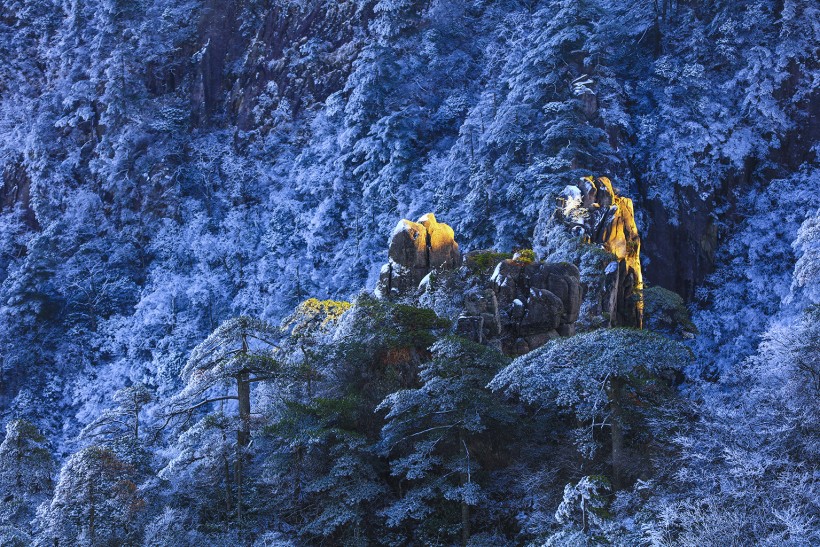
595	212
416	249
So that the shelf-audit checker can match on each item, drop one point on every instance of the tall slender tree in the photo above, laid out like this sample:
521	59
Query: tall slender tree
26	467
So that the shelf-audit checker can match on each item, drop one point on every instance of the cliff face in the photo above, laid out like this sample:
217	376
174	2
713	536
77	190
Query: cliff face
682	253
524	303
293	53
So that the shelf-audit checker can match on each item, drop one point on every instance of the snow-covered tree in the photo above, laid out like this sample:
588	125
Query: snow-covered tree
96	502
325	478
238	353
222	368
310	330
585	503
437	437
124	419
26	468
606	379
745	468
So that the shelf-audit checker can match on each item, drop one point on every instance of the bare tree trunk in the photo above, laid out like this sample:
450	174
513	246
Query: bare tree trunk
228	489
239	465
243	436
465	479
616	404
137	409
243	392
91	513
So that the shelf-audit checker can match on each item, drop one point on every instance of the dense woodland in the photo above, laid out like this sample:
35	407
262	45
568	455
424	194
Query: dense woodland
195	203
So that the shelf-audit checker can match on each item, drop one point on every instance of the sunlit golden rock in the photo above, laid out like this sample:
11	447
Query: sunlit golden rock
441	244
416	249
594	211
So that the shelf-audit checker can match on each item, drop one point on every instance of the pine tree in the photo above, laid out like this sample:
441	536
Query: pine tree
326	480
237	354
603	379
26	467
437	437
118	428
96	502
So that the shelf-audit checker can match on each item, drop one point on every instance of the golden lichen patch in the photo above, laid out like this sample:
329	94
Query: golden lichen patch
315	314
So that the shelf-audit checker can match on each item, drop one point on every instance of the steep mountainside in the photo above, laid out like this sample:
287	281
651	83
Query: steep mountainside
167	165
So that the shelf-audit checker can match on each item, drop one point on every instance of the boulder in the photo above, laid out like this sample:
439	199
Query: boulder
544	311
408	245
504	281
535	301
537	340
561	279
415	250
485	305
519	347
566	329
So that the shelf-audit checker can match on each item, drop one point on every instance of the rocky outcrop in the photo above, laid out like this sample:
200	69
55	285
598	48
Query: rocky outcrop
416	249
525	305
516	304
593	211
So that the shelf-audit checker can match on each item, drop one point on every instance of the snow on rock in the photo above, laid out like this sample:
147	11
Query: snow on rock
595	212
415	250
425	282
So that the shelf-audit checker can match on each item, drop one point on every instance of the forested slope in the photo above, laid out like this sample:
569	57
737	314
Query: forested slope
170	165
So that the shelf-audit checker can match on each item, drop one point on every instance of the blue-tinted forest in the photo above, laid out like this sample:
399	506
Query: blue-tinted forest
197	202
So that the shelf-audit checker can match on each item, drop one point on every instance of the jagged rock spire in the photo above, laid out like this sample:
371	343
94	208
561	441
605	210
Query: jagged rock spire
595	212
